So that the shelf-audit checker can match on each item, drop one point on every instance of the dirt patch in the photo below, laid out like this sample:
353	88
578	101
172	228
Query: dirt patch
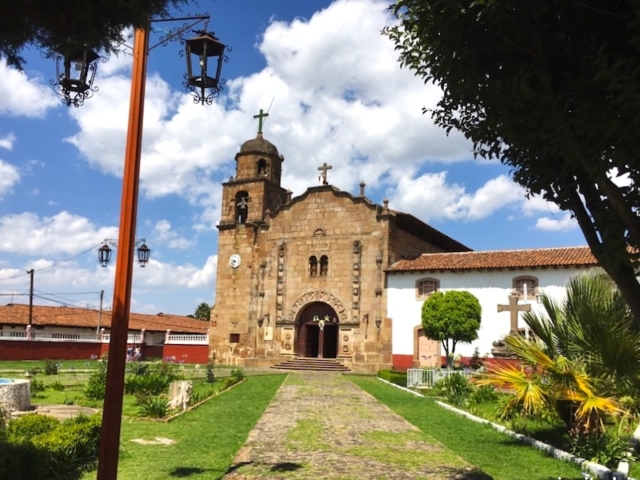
154	441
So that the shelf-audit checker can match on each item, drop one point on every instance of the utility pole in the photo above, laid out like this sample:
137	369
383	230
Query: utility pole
100	312
30	272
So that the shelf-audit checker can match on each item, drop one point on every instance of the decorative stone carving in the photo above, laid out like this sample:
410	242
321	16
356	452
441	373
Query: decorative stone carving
318	296
357	246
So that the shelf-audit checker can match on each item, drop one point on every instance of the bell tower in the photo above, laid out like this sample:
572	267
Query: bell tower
256	185
246	198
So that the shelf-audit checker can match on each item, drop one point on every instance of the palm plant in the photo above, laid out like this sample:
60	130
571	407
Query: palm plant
584	354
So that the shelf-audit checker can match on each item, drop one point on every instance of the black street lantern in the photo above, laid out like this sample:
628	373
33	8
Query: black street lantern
198	80
75	82
104	255
104	252
143	254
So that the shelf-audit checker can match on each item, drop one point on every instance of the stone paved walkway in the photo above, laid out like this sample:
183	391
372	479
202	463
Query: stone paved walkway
321	425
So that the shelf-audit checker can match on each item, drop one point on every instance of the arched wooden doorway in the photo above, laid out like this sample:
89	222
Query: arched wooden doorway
317	331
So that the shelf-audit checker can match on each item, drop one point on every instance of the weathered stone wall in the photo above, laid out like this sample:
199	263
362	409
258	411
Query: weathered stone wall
15	396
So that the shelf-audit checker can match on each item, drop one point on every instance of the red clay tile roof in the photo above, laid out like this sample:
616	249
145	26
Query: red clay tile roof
16	314
539	257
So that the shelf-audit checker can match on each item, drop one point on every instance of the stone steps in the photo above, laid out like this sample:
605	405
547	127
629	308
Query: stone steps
312	364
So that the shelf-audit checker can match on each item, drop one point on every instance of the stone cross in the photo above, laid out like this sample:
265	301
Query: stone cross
323	175
514	308
260	117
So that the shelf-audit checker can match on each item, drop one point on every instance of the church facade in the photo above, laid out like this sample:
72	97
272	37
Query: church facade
306	276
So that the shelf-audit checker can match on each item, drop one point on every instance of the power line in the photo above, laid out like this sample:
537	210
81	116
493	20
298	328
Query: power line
55	264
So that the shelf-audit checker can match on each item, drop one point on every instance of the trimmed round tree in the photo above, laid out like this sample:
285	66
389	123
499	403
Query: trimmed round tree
451	317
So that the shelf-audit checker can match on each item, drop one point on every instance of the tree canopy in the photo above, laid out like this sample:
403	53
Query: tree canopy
551	89
450	318
203	312
67	25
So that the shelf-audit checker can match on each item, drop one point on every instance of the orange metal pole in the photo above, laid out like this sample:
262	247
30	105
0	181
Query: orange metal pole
112	413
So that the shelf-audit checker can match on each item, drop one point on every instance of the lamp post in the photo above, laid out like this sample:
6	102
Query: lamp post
112	413
104	252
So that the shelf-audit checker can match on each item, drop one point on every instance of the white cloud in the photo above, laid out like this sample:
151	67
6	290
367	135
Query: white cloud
205	276
9	176
430	197
7	141
24	96
158	275
497	193
562	224
27	233
340	97
165	235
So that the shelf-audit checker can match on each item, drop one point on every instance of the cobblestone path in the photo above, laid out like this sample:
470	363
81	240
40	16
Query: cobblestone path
321	425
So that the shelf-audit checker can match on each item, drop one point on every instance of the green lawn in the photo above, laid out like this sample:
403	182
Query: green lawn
206	439
494	453
21	366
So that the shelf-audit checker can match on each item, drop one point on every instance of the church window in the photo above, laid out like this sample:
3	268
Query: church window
324	266
262	167
234	338
313	266
526	287
425	287
242	206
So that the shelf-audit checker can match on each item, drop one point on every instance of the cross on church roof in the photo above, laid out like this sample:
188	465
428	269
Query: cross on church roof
323	175
260	116
514	308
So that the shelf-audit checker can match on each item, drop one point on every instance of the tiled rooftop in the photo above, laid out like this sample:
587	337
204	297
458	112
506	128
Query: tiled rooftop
539	257
18	314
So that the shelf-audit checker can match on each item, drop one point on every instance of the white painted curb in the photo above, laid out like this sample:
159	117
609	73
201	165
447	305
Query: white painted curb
596	469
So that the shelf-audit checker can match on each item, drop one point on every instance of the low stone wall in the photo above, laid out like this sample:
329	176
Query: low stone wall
16	395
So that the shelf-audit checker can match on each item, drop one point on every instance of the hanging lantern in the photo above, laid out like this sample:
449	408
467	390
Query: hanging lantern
104	255
75	78
143	254
203	47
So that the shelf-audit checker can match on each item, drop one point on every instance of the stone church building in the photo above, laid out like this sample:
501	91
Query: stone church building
305	276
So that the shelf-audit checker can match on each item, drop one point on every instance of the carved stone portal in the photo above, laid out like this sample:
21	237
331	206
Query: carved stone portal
318	296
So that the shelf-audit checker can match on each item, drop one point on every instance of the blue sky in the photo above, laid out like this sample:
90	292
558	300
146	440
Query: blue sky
336	93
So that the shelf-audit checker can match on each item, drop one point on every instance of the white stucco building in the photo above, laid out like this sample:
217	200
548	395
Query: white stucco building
492	276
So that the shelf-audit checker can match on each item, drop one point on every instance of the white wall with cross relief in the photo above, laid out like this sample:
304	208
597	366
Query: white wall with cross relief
491	287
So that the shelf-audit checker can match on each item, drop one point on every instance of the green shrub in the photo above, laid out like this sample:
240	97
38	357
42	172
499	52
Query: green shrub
50	367
210	374
97	383
398	378
606	448
21	462
57	386
71	445
455	388
68	401
23	429
154	407
483	394
36	386
150	381
237	373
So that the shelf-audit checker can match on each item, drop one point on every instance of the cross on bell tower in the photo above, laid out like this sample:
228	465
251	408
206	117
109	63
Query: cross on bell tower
323	175
260	118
